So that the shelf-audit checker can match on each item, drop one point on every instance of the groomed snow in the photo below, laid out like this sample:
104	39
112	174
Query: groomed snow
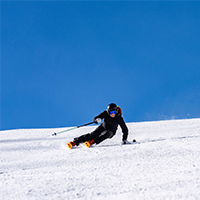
165	164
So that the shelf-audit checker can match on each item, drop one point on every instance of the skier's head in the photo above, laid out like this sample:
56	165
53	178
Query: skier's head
112	109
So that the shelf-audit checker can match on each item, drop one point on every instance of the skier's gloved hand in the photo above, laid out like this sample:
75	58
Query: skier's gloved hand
98	120
125	142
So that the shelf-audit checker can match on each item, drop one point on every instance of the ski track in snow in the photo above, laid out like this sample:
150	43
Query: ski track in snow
164	164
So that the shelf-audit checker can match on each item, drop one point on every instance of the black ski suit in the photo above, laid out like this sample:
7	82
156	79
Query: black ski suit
106	130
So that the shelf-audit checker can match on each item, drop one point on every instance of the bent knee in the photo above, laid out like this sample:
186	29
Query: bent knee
110	134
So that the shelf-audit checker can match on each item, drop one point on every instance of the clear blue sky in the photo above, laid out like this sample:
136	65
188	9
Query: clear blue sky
63	62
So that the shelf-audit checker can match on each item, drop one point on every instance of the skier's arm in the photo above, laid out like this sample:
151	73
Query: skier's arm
124	129
100	116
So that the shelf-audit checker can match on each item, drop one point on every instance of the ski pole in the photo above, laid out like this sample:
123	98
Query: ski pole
73	128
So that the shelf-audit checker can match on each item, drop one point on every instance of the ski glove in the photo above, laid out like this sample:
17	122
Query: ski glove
125	142
98	120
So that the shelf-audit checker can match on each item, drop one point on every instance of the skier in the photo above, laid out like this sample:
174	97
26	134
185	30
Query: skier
112	118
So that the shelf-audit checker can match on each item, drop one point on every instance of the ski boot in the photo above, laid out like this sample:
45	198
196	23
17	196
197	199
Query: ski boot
89	143
71	144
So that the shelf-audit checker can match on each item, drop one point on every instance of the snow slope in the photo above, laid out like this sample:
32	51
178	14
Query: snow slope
165	164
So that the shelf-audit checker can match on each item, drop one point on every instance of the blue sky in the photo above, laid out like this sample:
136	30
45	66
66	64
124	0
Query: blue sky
63	62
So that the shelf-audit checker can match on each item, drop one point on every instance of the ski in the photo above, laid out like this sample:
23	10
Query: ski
87	144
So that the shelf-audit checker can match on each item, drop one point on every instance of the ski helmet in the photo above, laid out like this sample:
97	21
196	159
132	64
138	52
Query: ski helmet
111	107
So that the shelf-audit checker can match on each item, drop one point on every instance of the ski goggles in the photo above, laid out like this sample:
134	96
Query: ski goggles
113	112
